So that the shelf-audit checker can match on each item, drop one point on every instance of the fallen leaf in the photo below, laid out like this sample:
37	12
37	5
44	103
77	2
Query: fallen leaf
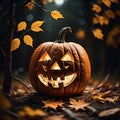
36	26
30	5
98	98
109	112
28	40
15	44
78	104
28	111
56	15
22	26
112	100
96	8
55	117
53	104
98	33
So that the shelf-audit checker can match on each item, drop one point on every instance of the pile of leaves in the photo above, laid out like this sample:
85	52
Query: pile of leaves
100	100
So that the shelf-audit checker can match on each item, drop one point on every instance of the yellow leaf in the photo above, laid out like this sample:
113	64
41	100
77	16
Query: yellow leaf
80	104
36	26
103	20
106	2
96	8
95	20
28	40
44	2
56	15
109	14
98	33
30	5
15	44
52	103
22	26
115	1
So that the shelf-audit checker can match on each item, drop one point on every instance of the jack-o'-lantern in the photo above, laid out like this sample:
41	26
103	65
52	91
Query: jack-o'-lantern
60	68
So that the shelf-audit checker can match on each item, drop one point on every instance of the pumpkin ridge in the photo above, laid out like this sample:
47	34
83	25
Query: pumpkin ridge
80	72
72	47
80	48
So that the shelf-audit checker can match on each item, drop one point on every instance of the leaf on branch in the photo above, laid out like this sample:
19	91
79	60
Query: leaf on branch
15	44
96	8
36	26
53	104
106	2
28	40
28	111
56	14
109	14
115	1
98	33
95	20
78	104
103	20
22	26
44	2
30	5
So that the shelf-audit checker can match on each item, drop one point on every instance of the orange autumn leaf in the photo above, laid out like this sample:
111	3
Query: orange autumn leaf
21	26
56	14
28	111
106	2
36	26
115	1
98	33
15	44
95	20
103	20
53	104
30	5
80	104
109	14
96	8
44	2
28	40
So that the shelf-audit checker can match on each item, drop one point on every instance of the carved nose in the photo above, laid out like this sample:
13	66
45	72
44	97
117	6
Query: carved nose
55	66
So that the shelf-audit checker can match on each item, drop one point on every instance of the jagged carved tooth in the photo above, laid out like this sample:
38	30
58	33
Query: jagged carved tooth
50	85
60	84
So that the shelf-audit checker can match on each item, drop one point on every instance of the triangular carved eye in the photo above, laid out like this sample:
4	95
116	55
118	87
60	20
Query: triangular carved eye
45	57
67	57
55	66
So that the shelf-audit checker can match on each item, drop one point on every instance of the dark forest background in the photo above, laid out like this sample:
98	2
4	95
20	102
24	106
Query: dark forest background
78	15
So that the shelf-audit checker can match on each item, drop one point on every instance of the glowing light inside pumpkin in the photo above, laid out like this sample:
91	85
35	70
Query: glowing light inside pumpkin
55	66
57	83
45	57
67	57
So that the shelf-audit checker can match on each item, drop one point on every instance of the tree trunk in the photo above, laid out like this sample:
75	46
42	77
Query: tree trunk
8	57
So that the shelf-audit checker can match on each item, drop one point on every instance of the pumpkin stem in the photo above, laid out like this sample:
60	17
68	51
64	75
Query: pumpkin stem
62	33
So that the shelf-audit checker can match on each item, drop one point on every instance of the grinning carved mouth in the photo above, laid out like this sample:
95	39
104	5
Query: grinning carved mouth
58	82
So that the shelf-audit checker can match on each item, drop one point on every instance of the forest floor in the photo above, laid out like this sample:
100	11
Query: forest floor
99	101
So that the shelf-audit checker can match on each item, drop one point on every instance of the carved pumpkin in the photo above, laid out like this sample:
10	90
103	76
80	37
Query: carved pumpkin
60	68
